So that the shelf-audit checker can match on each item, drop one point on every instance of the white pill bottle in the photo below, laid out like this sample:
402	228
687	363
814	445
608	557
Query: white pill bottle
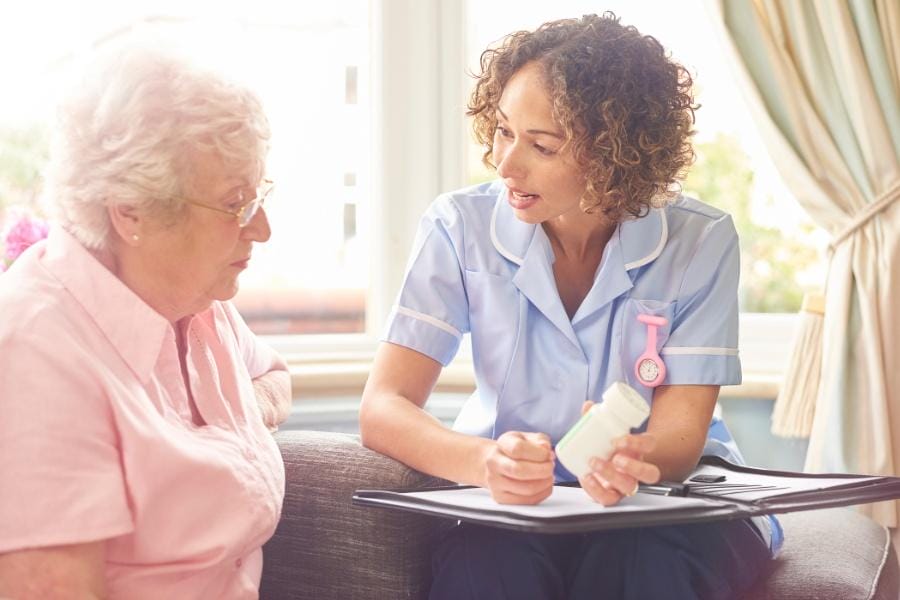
622	410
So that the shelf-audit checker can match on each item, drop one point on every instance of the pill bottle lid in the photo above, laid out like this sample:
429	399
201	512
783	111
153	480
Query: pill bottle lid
626	403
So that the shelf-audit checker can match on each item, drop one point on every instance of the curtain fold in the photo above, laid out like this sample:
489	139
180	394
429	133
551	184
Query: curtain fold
822	81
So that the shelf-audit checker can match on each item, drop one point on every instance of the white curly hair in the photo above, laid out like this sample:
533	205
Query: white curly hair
126	133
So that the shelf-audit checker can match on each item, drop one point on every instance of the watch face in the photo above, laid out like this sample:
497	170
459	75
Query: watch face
648	370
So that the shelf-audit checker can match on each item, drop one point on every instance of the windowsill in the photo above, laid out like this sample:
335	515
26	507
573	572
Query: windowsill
339	364
315	380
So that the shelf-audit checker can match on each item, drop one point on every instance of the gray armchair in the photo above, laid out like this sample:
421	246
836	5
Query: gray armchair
327	549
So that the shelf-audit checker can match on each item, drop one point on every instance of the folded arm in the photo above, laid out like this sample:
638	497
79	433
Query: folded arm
273	395
268	371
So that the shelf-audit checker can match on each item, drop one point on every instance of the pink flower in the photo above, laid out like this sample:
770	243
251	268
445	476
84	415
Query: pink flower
22	234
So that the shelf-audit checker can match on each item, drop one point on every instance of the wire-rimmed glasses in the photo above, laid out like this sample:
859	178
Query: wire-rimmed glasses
244	213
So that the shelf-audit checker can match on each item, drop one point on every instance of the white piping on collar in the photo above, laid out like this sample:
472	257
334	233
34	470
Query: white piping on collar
663	237
496	241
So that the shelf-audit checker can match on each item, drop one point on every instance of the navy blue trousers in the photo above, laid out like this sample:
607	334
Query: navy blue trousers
702	561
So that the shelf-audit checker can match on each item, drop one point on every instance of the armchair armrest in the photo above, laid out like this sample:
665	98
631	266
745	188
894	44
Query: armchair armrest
325	548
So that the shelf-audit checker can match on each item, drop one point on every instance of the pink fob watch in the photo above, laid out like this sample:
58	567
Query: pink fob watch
650	368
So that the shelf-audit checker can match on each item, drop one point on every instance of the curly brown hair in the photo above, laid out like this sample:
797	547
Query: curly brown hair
625	106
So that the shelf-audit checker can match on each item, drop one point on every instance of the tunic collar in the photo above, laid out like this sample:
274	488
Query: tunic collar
634	244
641	240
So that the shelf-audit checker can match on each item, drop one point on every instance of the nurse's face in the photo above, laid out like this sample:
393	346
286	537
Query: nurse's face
543	179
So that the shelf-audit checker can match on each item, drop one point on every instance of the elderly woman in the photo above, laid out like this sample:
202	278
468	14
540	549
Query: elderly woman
136	459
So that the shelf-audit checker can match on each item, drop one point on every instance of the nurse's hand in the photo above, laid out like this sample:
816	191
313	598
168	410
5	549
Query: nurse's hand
519	468
619	476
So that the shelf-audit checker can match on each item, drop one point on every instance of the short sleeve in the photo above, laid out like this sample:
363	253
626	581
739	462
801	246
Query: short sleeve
259	357
702	348
432	311
61	472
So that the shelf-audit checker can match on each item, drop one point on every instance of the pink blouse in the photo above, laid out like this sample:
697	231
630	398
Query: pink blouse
96	437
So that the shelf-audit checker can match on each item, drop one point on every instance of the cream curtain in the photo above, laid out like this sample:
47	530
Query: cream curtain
823	82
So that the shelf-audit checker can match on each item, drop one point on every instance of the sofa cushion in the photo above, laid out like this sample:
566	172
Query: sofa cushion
324	547
834	553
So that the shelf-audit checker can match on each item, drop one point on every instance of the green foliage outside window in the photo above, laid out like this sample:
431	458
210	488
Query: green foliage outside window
23	154
772	262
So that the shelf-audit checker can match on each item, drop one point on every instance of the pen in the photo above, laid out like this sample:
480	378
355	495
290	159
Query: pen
664	489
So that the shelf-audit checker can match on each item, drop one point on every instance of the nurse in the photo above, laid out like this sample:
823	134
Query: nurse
561	271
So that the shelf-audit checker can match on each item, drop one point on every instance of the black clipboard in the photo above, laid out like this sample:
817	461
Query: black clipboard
744	492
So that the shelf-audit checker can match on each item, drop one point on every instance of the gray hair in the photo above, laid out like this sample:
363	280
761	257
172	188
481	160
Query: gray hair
125	136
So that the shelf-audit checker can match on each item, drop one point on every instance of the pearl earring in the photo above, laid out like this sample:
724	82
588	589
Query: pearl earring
135	237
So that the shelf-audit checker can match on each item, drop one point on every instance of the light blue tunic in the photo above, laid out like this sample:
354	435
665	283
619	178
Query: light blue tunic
475	268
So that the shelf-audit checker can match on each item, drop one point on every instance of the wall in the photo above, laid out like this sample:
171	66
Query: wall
749	420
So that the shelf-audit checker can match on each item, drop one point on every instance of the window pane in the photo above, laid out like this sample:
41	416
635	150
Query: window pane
312	275
781	249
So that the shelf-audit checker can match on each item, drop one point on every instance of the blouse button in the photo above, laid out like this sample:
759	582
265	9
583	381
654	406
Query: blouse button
238	563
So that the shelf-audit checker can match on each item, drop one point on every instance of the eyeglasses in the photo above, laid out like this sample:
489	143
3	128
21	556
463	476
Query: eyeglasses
244	213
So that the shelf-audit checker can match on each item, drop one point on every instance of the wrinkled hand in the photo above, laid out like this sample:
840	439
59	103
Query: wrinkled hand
519	468
612	479
273	396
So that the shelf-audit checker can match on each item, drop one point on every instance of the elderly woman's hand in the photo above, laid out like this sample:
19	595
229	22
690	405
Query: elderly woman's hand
273	394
